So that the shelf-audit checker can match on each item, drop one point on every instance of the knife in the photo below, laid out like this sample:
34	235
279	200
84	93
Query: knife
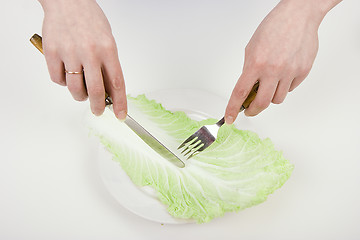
145	135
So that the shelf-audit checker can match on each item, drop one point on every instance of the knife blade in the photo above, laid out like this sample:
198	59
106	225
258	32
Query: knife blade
152	141
145	135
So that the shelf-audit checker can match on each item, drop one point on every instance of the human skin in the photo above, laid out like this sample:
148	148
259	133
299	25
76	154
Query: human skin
76	36
279	55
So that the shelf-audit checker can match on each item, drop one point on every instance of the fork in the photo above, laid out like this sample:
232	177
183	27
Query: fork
206	135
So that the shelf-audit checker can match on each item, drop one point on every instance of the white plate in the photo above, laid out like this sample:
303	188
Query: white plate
142	201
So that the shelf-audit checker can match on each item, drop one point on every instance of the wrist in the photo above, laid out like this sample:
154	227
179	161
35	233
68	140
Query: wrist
313	9
55	4
324	6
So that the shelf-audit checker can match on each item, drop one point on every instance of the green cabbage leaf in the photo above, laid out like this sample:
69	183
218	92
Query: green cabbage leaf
237	171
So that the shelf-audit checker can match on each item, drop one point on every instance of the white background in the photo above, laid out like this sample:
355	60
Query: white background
49	182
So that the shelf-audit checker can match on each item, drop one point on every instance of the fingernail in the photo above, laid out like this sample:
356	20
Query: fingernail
229	119
122	116
96	113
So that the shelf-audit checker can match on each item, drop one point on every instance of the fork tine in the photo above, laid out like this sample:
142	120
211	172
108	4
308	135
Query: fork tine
188	144
198	143
189	139
191	145
196	150
194	147
187	152
193	154
207	134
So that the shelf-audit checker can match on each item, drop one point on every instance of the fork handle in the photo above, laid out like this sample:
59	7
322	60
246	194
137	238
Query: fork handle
250	97
245	104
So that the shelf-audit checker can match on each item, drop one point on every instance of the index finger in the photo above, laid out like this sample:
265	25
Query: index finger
115	86
238	96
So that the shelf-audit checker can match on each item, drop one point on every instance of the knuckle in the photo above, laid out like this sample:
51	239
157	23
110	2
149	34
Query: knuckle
97	92
258	63
231	111
277	66
240	93
291	69
261	104
69	49
93	48
91	58
108	44
50	50
271	68
89	45
118	82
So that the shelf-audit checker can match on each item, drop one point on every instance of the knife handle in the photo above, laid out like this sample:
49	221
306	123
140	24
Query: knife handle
250	97
36	40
